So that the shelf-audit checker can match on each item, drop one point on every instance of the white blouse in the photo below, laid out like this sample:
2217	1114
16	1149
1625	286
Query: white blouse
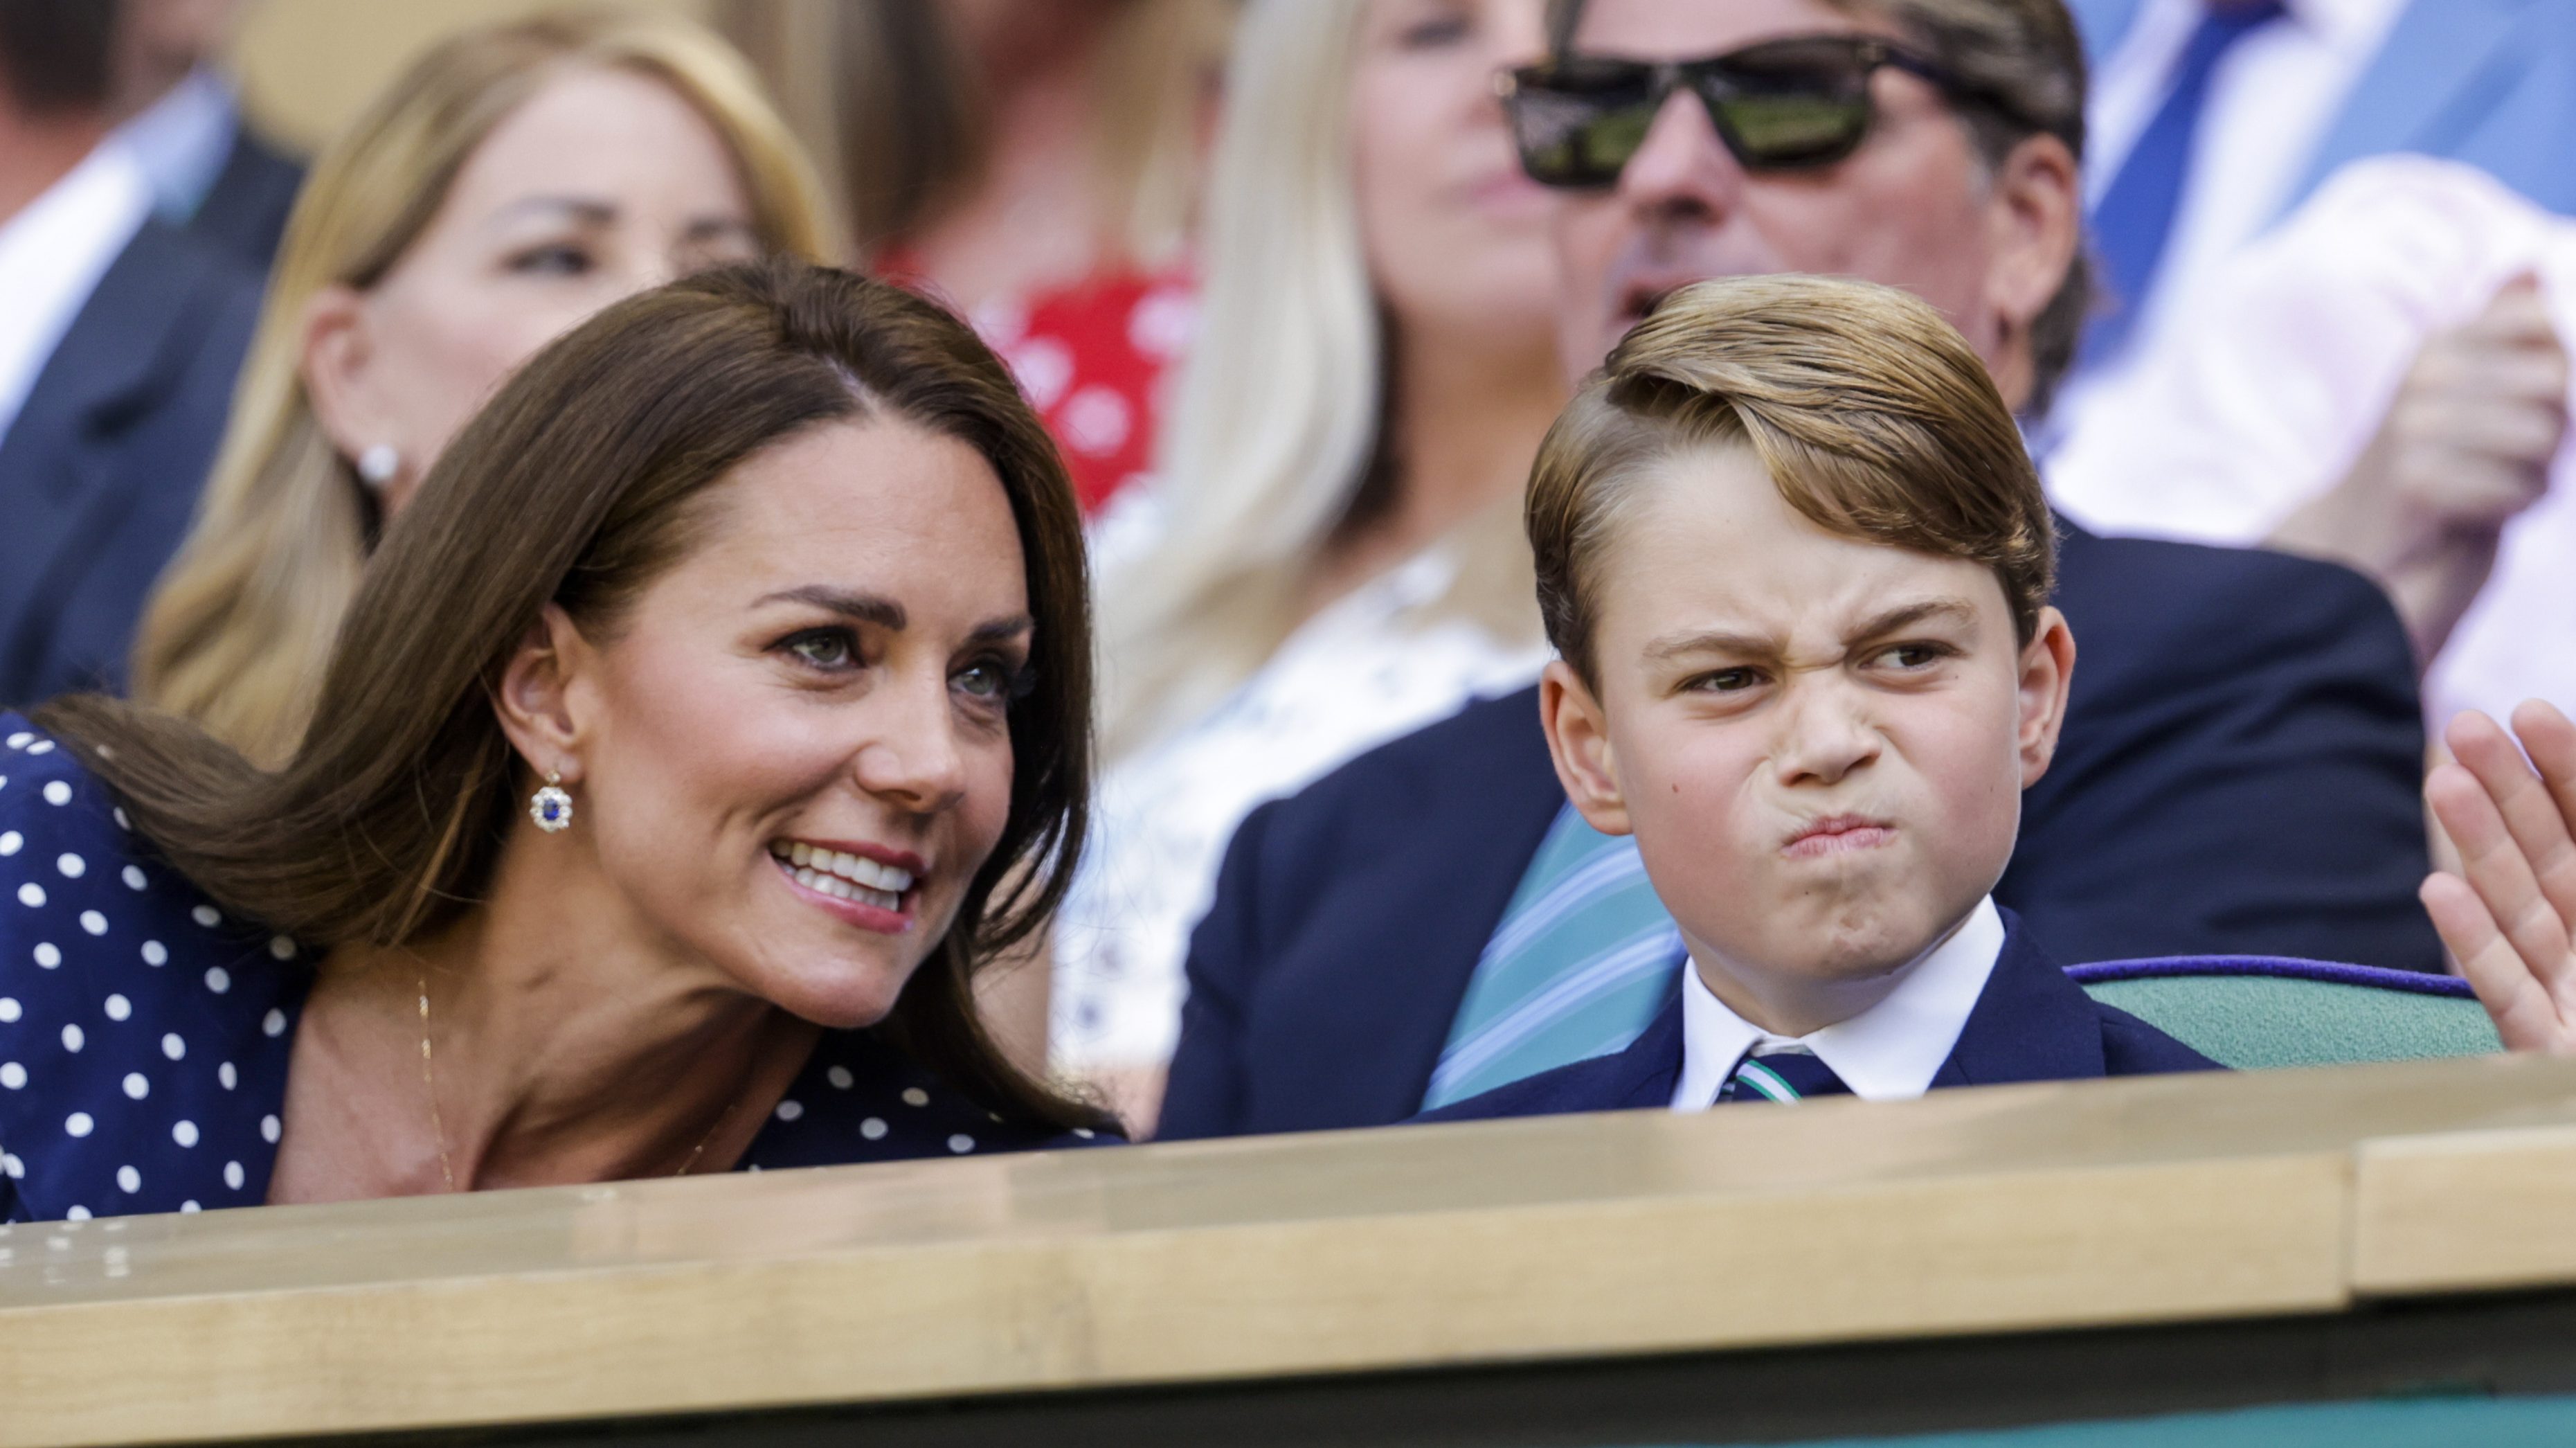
1364	670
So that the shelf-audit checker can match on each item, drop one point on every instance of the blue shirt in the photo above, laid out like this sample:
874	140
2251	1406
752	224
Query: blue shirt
145	1032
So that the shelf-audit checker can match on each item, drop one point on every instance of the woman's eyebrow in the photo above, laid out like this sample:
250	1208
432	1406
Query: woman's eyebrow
1002	628
865	607
585	210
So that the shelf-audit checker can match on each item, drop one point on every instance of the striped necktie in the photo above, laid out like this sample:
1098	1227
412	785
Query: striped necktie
2135	217
1781	1076
1584	958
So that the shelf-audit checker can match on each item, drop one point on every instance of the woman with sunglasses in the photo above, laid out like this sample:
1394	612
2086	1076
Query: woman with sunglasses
1337	558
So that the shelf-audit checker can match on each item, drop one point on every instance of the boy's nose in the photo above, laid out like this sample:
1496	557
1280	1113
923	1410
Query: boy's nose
1823	739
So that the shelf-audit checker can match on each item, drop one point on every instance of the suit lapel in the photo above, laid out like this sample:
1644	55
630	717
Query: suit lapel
2031	1023
120	350
1490	804
2445	62
1647	1073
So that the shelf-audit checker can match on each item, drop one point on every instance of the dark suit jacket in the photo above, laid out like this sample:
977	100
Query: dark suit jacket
2237	774
100	472
2030	1023
245	213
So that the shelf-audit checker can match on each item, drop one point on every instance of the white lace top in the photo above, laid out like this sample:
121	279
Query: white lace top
1361	672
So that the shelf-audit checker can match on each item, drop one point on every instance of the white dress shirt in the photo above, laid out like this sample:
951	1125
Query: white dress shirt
52	254
182	141
1889	1052
2271	100
2280	374
1376	664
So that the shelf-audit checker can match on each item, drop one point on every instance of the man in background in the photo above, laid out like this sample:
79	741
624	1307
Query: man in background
117	353
2239	764
212	175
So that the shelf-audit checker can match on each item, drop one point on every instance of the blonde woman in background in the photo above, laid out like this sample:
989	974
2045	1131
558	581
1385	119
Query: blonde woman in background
1338	558
1035	163
514	181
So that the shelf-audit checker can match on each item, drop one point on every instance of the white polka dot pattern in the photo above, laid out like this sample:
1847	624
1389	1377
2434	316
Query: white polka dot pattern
145	1034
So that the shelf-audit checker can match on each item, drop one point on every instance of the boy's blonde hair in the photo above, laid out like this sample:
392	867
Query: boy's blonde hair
1874	417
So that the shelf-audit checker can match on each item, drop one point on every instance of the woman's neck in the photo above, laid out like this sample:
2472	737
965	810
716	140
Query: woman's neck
563	1043
1467	419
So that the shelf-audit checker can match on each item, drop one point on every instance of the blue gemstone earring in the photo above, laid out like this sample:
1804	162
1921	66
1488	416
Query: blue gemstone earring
550	807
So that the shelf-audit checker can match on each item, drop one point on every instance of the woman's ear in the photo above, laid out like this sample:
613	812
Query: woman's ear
540	701
1578	739
2047	672
338	365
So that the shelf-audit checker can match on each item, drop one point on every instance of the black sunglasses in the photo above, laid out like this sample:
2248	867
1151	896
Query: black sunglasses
1779	106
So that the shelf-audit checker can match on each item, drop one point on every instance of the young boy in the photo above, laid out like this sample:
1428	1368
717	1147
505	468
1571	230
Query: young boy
1797	563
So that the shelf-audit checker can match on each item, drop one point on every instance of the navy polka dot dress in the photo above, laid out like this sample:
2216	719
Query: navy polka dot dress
145	1033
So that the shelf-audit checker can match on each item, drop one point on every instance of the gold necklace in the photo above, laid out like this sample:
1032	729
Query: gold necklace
438	1128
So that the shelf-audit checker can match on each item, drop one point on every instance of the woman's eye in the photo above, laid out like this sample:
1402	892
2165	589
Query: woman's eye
824	648
987	681
554	260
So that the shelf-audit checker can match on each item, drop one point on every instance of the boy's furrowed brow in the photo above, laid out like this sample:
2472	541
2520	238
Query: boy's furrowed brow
1710	641
1910	615
872	608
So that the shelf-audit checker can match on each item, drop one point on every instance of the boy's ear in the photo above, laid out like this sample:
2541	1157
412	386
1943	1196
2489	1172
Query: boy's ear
539	700
2047	669
1578	739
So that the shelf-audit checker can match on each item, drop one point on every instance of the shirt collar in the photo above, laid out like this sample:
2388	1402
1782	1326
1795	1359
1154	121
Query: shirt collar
182	141
1889	1052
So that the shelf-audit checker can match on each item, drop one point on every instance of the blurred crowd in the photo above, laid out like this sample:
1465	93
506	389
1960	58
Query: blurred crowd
2279	290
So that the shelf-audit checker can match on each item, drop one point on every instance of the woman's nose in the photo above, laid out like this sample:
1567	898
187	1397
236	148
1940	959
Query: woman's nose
915	760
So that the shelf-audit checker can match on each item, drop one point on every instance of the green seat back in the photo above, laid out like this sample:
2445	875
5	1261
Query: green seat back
2253	1015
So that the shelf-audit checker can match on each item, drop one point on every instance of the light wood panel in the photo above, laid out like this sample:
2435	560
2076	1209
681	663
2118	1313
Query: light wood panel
2470	1210
2100	1204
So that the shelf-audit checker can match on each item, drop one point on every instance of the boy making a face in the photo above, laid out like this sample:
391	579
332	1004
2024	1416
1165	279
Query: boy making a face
1796	563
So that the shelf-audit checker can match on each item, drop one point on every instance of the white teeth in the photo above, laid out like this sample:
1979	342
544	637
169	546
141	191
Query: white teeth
844	876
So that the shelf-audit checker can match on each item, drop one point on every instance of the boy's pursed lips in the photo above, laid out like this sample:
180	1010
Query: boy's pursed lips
1837	834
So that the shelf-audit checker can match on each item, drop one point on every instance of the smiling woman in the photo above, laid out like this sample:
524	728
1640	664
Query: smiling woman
774	575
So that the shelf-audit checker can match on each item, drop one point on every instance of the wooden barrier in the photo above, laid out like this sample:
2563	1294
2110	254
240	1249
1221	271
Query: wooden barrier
1996	1220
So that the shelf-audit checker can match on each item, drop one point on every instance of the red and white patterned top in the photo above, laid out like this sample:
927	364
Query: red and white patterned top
1091	358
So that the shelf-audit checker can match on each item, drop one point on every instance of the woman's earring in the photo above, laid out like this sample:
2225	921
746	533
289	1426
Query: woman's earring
550	807
378	464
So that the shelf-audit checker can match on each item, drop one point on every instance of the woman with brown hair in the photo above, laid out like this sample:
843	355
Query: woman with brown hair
512	182
718	711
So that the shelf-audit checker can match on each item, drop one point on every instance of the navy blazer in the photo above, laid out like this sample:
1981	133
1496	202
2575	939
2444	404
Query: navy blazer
2237	774
244	214
2030	1023
100	472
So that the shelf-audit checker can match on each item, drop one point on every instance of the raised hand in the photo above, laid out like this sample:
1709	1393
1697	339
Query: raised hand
2508	915
2464	447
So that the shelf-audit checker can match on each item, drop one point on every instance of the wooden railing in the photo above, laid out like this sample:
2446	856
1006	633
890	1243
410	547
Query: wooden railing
2018	1210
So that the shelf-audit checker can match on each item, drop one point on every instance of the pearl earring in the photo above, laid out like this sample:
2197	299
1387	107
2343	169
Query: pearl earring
550	807
378	464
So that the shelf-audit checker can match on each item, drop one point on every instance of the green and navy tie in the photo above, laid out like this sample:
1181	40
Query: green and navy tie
1781	1076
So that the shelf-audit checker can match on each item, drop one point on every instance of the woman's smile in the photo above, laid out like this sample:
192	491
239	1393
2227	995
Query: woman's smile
867	885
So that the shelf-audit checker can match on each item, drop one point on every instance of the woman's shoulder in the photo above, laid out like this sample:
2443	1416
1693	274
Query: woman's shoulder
120	982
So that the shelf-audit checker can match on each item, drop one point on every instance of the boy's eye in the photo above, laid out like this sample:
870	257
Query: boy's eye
1914	656
824	648
1727	681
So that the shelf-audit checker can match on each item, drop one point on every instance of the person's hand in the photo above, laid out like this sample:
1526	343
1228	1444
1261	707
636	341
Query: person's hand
2508	914
2463	448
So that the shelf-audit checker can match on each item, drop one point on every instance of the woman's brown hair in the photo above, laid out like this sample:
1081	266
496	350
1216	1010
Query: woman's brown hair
577	486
